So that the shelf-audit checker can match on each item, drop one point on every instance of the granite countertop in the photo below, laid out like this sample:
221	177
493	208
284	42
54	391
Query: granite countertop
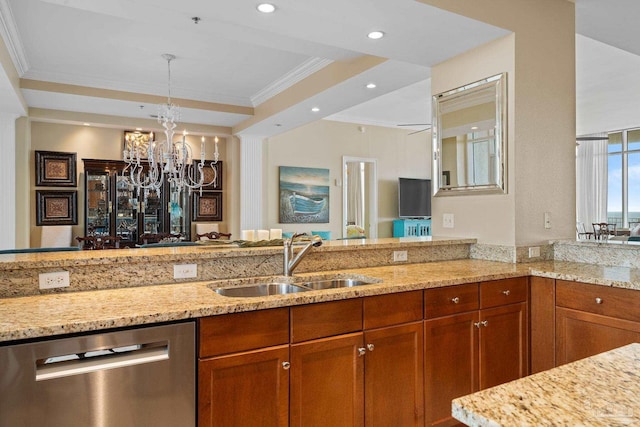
56	314
204	251
601	390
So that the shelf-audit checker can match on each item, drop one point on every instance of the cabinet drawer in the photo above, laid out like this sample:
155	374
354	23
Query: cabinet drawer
392	309
614	302
325	319
230	333
450	300
495	293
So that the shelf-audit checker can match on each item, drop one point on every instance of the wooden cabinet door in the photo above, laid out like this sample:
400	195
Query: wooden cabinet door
580	334
503	344
244	389
394	376
451	364
327	377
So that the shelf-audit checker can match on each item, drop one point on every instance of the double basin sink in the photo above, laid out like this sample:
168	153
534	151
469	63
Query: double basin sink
283	288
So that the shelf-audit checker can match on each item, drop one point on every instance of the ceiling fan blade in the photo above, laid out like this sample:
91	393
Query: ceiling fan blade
592	138
418	131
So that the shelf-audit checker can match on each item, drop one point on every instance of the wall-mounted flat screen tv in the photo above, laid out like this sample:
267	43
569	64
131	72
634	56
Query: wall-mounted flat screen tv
414	198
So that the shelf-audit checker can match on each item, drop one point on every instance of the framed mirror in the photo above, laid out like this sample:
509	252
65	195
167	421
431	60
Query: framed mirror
469	138
359	198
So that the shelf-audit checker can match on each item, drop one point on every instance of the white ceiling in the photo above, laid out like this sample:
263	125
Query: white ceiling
238	56
234	55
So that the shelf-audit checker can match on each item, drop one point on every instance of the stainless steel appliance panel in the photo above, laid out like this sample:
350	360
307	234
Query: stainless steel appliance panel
137	377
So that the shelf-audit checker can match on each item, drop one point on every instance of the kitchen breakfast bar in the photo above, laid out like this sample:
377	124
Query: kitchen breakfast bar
124	290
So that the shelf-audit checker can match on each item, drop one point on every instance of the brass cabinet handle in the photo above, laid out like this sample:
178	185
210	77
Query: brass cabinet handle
483	323
455	300
598	300
370	347
507	292
361	351
286	365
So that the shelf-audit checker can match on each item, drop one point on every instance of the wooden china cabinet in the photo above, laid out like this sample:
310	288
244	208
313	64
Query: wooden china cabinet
113	208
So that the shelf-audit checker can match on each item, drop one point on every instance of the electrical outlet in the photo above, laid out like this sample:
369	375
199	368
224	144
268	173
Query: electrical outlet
57	279
399	256
534	252
447	220
185	271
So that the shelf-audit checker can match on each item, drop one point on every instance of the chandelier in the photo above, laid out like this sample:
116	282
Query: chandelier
149	165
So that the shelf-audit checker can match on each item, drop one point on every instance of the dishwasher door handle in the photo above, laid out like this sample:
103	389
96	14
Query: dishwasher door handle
68	368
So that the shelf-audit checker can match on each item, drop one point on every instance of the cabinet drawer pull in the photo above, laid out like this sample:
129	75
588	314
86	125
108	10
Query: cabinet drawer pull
361	351
370	347
507	292
286	365
598	300
483	323
455	300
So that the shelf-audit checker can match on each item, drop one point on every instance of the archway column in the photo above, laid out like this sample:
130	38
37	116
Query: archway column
252	183
8	180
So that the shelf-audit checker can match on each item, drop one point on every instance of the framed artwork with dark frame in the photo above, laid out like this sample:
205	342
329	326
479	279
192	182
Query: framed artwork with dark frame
56	207
207	207
209	174
55	169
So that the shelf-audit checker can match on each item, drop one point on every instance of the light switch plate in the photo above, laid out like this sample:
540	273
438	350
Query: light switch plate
185	271
447	220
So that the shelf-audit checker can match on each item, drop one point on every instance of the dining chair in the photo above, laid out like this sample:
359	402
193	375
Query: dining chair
582	232
603	230
213	235
55	236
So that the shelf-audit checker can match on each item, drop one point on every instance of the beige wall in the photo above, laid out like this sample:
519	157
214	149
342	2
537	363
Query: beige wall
488	217
323	143
540	60
89	142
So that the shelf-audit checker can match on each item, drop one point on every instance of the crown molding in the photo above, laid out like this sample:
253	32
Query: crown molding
299	73
9	33
152	89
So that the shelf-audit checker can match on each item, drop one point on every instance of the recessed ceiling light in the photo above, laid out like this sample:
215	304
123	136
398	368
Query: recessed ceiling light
371	86
375	35
266	8
315	109
474	127
87	124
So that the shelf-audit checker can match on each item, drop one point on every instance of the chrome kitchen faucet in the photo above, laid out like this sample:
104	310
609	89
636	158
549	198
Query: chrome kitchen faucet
291	261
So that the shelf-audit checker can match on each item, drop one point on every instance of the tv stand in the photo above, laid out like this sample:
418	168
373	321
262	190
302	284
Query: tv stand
405	227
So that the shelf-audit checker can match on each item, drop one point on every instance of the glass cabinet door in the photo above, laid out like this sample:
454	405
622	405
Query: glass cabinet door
152	213
179	213
126	211
98	203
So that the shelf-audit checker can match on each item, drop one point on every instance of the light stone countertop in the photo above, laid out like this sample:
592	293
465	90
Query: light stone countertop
204	251
601	390
56	314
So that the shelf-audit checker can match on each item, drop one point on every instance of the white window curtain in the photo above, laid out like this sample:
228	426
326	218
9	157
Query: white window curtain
591	180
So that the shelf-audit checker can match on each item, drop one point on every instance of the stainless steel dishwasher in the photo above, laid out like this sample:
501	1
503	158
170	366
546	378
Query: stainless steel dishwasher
134	377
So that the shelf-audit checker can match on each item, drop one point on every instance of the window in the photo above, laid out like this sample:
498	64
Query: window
623	200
